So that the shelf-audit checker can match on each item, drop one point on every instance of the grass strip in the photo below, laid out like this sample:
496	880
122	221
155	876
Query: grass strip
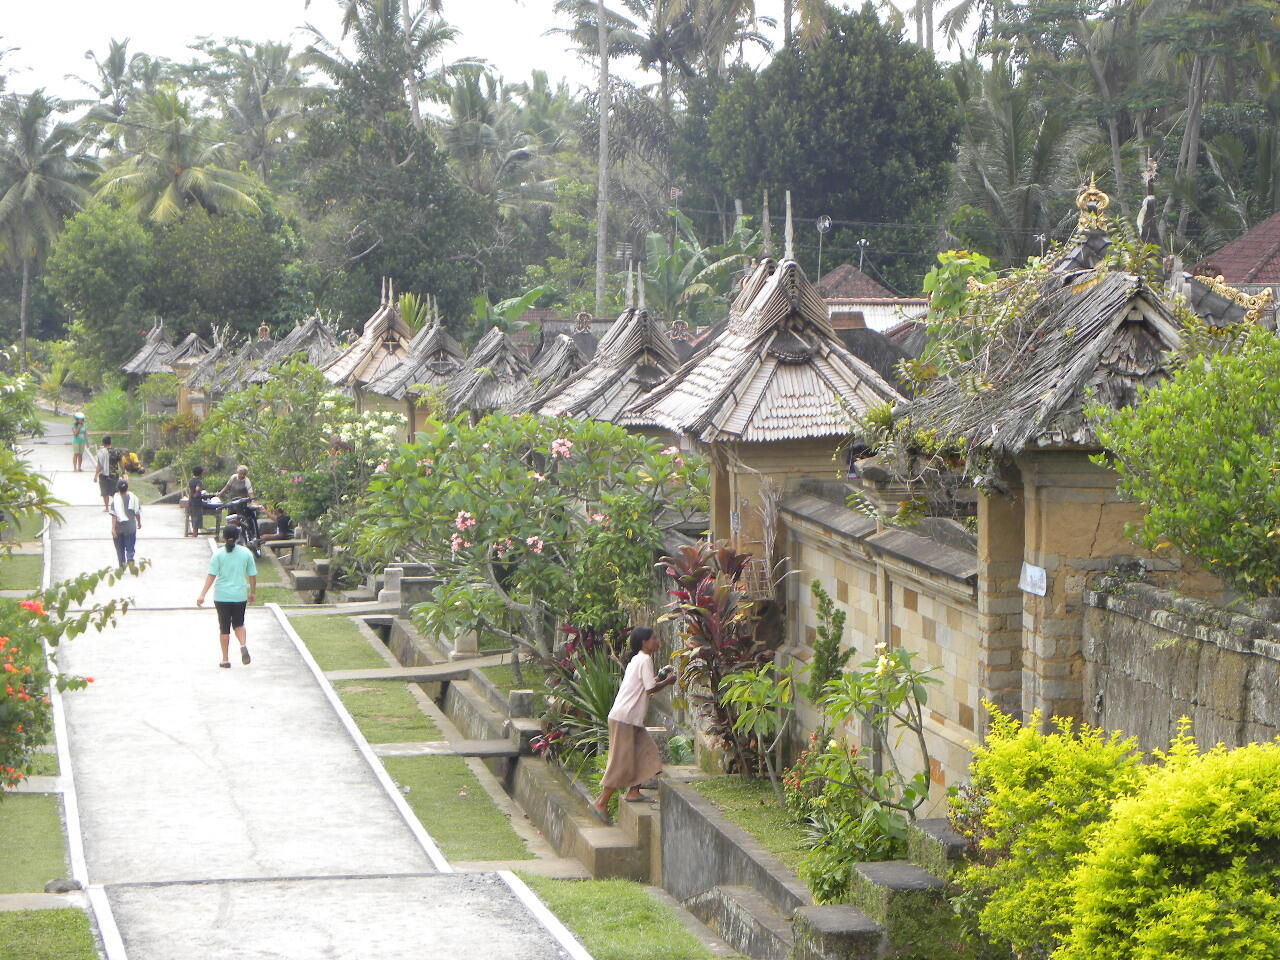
336	643
458	813
46	935
503	677
44	765
386	712
21	571
281	595
268	571
32	851
26	527
617	919
751	804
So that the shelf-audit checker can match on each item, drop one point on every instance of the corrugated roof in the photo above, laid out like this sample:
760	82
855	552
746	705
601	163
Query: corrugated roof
153	356
849	282
311	339
879	315
490	378
559	360
777	371
632	358
433	358
381	345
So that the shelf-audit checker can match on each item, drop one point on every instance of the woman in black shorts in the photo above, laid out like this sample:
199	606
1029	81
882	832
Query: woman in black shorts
236	576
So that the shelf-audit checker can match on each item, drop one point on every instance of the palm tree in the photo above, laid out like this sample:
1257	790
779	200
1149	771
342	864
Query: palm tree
173	160
1018	158
813	20
43	180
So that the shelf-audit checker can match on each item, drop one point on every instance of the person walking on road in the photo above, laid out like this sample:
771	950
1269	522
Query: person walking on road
195	502
236	576
126	521
105	465
633	755
79	435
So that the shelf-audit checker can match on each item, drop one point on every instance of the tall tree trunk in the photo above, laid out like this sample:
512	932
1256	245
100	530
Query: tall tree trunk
22	312
1189	150
788	10
928	24
602	184
1084	36
918	12
410	71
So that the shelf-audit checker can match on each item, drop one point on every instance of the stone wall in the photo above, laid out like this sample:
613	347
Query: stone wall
1152	656
900	588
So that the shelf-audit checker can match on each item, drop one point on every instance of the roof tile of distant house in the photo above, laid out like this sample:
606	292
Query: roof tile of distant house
490	377
381	345
1251	258
558	361
433	358
190	351
776	372
153	356
312	340
849	283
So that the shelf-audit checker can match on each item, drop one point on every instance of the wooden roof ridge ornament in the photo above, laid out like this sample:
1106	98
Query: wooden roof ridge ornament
264	331
1093	205
582	322
789	250
1254	304
766	230
631	287
1148	219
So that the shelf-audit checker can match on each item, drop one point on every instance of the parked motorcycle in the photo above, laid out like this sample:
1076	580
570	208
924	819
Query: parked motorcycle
243	513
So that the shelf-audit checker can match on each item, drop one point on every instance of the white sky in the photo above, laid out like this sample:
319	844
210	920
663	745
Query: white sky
52	36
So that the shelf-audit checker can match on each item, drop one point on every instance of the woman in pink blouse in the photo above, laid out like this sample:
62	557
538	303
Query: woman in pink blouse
633	756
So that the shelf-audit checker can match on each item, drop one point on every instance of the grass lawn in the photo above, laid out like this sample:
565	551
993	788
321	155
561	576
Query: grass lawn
42	765
146	492
21	571
336	643
268	571
752	806
504	678
46	935
386	712
618	920
31	846
455	809
28	527
281	595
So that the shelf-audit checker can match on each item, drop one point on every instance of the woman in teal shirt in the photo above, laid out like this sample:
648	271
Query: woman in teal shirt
236	576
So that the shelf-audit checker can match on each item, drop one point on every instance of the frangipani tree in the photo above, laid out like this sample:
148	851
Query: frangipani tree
530	523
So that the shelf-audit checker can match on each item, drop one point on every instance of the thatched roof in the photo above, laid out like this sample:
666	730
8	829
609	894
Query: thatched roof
433	358
233	375
492	375
312	340
777	371
153	357
877	351
381	345
190	351
633	357
559	360
208	366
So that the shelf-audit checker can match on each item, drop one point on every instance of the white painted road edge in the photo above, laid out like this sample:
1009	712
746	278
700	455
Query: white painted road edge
410	818
566	939
99	905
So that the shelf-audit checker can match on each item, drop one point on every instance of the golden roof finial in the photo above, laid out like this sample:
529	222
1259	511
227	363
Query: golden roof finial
1093	204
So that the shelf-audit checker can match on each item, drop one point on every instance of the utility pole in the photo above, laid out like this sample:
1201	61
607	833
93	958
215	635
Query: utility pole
602	184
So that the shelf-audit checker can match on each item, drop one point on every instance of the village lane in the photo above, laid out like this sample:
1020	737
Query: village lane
231	813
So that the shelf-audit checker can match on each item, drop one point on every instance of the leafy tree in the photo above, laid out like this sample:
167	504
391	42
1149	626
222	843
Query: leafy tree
862	126
689	281
528	523
43	179
173	159
1199	451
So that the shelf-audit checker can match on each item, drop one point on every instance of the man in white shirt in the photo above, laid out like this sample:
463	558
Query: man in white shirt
126	521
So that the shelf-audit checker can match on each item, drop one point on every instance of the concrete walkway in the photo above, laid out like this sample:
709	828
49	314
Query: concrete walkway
232	813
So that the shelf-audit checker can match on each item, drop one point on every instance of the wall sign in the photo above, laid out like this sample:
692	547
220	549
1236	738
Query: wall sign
1033	580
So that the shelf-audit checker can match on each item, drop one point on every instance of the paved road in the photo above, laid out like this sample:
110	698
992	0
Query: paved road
230	813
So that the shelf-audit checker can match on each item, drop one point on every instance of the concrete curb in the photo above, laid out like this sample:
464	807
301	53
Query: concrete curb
99	905
384	779
543	914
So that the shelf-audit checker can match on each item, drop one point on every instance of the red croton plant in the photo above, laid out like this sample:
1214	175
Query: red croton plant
714	618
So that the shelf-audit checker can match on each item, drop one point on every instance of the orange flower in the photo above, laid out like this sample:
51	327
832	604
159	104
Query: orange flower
10	668
35	606
88	679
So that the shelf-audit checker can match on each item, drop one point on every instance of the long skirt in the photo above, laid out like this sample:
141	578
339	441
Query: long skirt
633	756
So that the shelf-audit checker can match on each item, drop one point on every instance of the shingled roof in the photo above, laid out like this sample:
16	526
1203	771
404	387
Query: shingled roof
153	356
847	282
208	366
190	351
632	358
490	377
777	371
433	358
233	375
1253	258
559	360
382	344
312	340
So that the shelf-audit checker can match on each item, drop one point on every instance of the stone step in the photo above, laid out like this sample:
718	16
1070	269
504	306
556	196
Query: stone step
485	749
745	920
836	932
911	904
305	579
932	844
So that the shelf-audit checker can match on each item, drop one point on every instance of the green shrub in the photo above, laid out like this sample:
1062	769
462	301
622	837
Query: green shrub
112	409
828	659
1189	867
1031	806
